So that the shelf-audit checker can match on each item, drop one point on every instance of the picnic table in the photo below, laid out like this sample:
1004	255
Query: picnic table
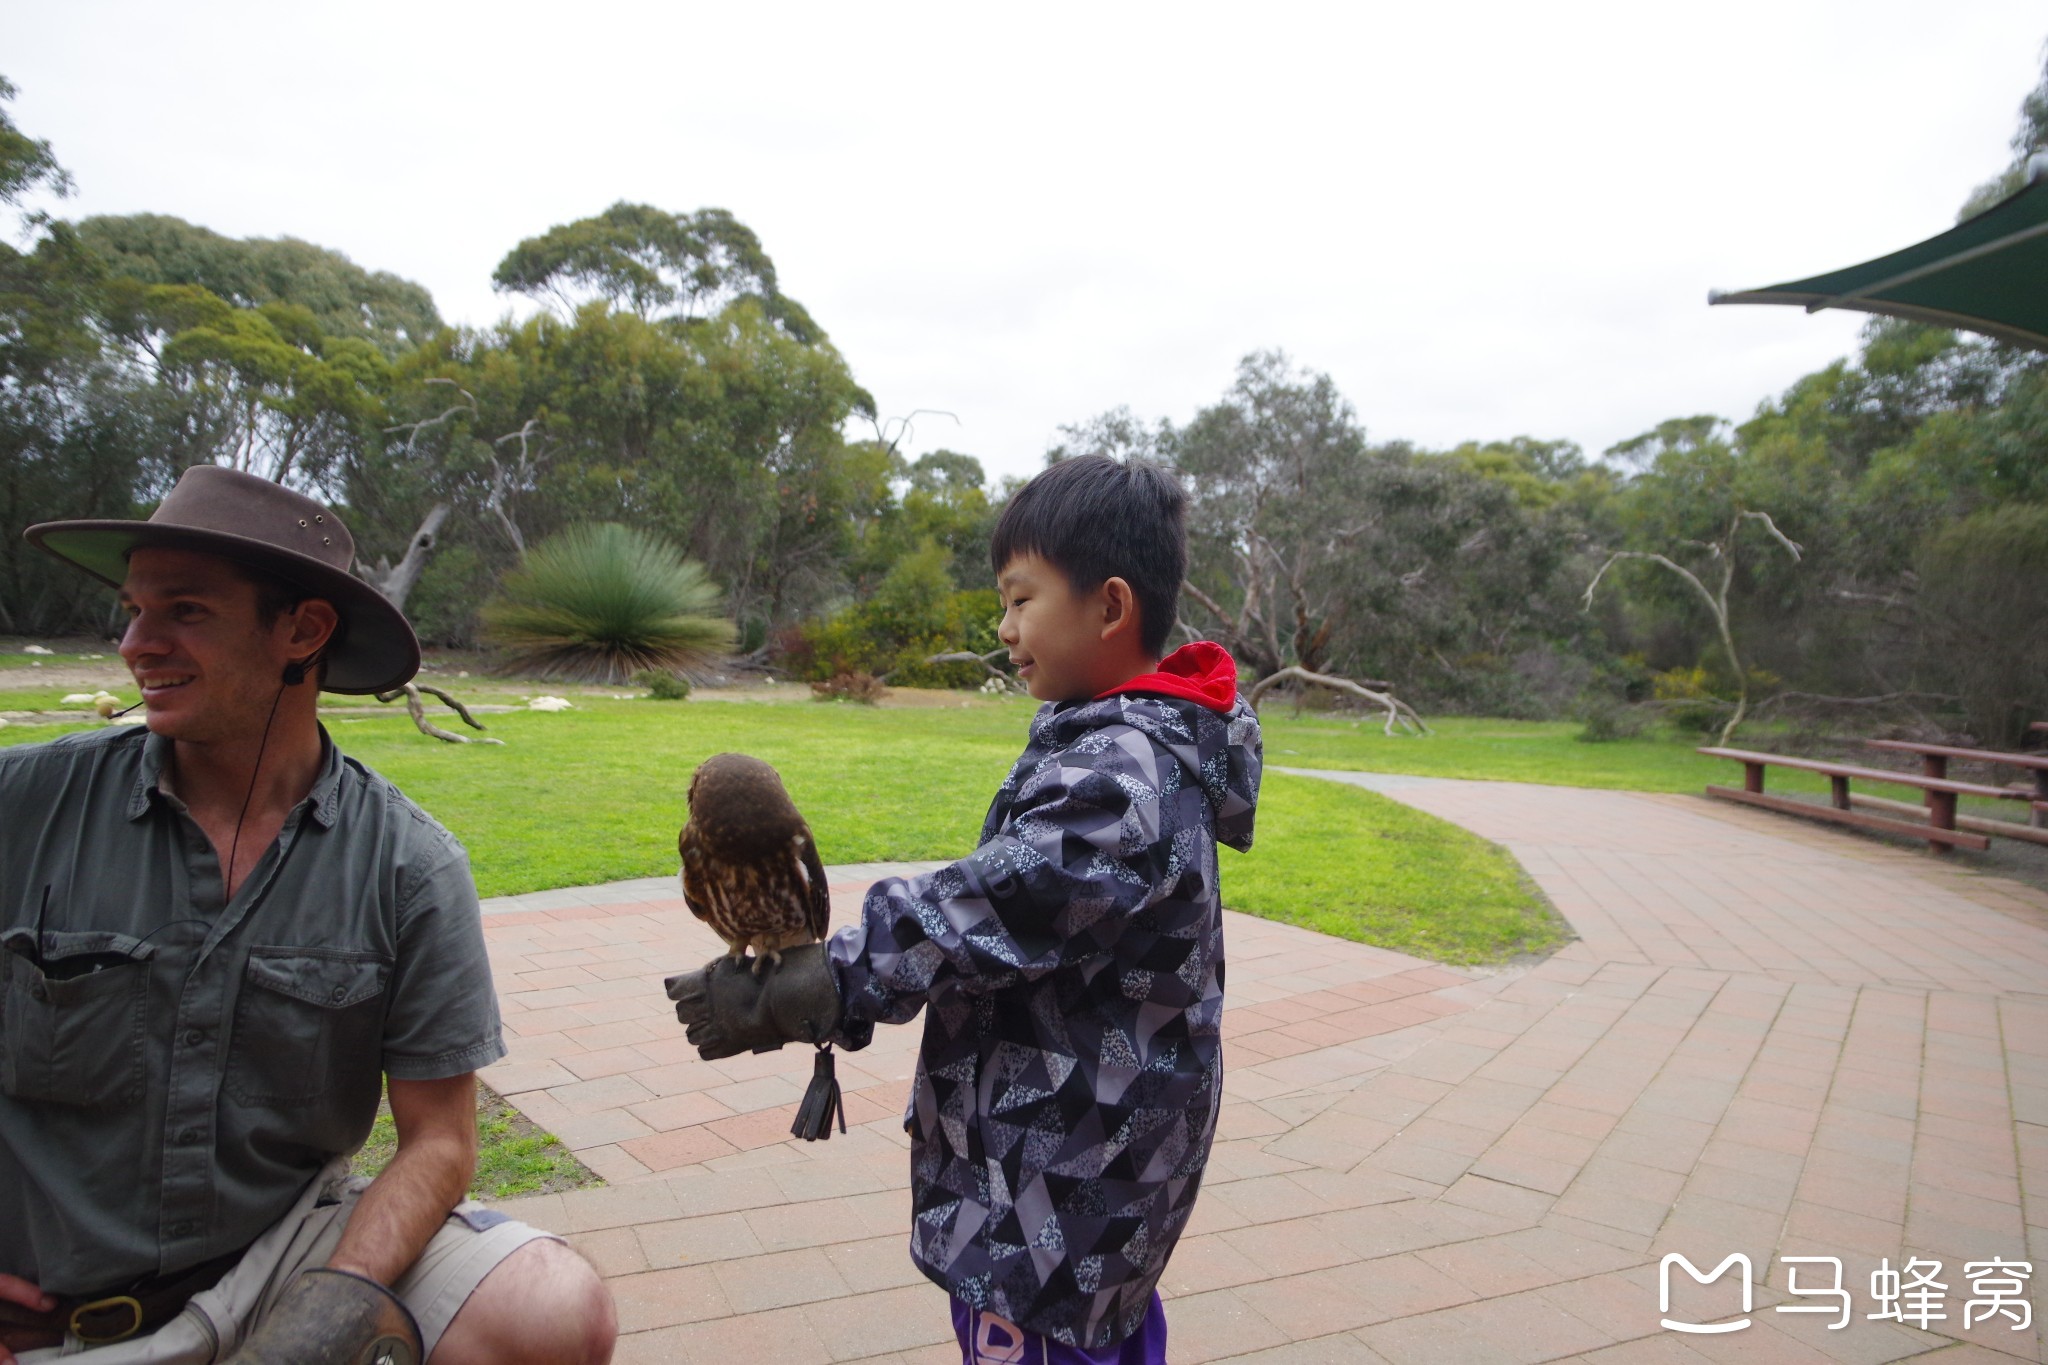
1934	761
1941	827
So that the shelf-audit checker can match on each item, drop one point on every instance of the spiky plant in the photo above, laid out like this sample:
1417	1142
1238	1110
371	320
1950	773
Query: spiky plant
602	602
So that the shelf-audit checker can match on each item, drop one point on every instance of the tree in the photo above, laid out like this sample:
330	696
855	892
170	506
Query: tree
344	299
653	264
1722	551
2030	137
1272	471
26	163
72	424
1985	632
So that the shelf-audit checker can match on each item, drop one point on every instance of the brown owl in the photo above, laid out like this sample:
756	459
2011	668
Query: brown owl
750	867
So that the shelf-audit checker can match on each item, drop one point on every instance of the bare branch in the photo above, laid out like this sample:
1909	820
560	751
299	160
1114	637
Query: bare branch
411	693
1765	517
1397	711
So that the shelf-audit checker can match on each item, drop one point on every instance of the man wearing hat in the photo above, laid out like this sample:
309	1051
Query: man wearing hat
218	935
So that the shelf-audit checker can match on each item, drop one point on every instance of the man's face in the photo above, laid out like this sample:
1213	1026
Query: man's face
208	667
1054	633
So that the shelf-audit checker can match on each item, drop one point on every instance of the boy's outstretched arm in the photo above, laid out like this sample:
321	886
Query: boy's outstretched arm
1084	851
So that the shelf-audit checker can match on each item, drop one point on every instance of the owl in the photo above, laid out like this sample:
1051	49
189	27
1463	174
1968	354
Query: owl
750	867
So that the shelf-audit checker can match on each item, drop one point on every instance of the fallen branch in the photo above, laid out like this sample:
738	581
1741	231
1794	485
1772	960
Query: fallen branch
1398	712
987	662
1887	699
411	693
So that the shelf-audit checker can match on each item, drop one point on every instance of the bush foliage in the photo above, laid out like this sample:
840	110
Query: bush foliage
1982	588
605	602
914	613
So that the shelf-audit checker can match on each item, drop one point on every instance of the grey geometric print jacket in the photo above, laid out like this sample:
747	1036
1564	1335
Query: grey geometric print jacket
1071	974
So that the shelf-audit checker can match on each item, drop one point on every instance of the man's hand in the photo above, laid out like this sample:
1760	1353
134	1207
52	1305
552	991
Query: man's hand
15	1290
726	1010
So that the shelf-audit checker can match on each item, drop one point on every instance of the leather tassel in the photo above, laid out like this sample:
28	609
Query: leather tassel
821	1101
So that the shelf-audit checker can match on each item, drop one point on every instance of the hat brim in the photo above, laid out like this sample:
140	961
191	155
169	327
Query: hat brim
378	653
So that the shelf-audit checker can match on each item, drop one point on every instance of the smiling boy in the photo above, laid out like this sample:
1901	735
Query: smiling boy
1070	969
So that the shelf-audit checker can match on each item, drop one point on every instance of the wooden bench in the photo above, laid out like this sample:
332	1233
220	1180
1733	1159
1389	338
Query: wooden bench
1934	761
1939	829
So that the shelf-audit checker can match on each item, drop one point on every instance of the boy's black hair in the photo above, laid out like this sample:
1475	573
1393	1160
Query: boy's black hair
1094	518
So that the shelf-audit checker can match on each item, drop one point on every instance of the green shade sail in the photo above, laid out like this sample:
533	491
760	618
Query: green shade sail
1987	274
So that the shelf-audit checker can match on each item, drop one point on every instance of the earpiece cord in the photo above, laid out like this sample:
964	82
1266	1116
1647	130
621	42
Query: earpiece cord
228	873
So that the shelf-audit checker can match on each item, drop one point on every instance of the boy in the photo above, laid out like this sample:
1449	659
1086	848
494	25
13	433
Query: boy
1070	968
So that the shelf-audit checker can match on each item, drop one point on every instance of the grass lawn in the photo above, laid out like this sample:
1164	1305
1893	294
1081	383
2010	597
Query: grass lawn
596	794
1357	865
1506	751
514	1155
1549	752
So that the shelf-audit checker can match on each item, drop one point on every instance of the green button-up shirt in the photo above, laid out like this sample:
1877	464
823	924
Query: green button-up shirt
174	1066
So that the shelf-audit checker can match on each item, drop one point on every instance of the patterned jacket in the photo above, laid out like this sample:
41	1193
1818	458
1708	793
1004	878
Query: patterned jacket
1071	974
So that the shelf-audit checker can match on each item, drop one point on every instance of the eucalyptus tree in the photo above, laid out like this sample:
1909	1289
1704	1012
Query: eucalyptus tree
653	264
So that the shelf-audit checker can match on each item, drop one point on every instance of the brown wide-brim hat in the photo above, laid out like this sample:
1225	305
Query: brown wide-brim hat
270	528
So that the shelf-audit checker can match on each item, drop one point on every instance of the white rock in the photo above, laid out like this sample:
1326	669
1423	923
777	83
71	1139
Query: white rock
550	704
36	649
77	699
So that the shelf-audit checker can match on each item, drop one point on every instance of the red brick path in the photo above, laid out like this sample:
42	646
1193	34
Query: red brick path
1766	1039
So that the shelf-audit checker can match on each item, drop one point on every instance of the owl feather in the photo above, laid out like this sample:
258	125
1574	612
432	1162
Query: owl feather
750	866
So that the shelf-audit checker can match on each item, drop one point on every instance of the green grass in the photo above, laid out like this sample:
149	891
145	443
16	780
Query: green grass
1549	752
514	1156
1356	865
1502	750
597	794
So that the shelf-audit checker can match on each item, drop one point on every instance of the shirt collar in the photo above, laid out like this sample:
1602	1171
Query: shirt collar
324	800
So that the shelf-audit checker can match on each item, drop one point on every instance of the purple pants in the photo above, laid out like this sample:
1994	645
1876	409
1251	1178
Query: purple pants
986	1339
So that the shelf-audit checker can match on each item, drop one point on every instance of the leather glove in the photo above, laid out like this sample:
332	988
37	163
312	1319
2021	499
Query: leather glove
334	1317
726	1010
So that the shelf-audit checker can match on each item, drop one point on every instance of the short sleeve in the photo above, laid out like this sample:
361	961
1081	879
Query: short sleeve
443	1018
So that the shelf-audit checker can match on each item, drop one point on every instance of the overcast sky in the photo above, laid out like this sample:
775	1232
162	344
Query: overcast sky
1482	220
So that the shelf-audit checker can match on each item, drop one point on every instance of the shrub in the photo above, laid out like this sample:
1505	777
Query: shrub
1606	719
1691	702
1980	600
915	612
864	688
662	684
604	602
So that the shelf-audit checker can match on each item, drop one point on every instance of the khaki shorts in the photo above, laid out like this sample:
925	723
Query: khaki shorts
469	1246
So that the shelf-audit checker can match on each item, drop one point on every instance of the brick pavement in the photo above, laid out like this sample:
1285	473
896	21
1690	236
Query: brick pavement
1765	1039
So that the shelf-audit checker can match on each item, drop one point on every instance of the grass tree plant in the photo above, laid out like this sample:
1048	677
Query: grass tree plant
602	602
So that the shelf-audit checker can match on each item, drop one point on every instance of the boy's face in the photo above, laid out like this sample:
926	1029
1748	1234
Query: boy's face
1067	645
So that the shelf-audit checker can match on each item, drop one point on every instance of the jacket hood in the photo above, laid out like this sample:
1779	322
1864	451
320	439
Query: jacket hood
1190	707
1201	672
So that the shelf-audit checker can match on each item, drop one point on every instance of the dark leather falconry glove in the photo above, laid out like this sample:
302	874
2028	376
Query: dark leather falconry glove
334	1317
726	1010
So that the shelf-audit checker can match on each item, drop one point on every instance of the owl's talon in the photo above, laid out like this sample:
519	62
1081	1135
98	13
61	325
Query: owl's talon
772	957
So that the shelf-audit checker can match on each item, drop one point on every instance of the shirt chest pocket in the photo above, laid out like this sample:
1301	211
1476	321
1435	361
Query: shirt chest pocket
309	1021
72	1013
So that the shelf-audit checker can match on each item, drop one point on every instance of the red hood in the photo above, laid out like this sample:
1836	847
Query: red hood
1202	672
